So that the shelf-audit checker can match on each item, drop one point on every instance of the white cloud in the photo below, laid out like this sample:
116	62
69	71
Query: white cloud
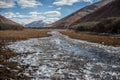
50	20
65	2
50	6
69	2
6	3
34	14
28	3
22	18
35	18
12	15
59	8
52	13
9	15
91	1
27	18
22	3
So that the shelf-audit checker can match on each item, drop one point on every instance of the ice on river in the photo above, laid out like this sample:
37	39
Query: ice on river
60	57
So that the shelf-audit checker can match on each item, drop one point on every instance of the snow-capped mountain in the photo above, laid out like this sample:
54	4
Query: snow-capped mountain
36	24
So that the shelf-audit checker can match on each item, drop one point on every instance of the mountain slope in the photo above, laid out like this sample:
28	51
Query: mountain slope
6	24
36	24
110	10
67	21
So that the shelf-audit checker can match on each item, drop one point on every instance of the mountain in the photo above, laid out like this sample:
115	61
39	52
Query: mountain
6	24
108	11
36	24
67	21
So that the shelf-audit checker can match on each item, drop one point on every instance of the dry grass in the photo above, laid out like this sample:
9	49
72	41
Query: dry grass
9	70
93	37
23	34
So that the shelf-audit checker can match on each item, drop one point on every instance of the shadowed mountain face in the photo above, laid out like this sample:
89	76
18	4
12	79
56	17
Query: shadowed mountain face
6	24
67	21
110	10
36	24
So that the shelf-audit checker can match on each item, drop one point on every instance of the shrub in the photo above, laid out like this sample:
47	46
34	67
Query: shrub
114	27
6	26
81	28
86	26
108	26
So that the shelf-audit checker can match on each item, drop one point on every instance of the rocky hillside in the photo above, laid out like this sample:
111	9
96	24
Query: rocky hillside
72	18
108	11
6	24
36	24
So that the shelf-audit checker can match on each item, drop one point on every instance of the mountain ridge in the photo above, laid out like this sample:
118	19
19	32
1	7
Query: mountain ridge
70	19
110	10
36	24
6	24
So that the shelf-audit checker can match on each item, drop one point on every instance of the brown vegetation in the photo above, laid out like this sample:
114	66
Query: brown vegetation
10	70
93	37
23	34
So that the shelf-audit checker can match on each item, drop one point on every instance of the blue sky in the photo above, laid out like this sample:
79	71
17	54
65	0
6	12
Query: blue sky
26	11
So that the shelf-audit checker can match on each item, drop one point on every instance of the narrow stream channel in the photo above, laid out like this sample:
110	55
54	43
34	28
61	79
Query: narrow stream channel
59	57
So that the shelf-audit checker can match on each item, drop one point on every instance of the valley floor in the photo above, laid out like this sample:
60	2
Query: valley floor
36	55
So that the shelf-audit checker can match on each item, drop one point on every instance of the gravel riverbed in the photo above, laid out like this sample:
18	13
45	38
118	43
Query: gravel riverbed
59	57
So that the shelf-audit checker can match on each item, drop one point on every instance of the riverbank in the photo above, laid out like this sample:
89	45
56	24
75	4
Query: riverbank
93	37
13	70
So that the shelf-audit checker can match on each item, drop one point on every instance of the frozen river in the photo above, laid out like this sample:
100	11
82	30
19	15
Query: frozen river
59	57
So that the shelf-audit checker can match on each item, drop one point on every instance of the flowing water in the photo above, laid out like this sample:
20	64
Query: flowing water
59	57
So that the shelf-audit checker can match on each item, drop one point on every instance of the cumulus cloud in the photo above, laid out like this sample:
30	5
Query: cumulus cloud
22	18
34	14
22	3
65	2
69	2
6	3
12	15
28	3
9	15
59	8
52	13
28	18
91	1
50	20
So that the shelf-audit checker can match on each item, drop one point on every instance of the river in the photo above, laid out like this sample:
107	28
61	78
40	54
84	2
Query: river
59	57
